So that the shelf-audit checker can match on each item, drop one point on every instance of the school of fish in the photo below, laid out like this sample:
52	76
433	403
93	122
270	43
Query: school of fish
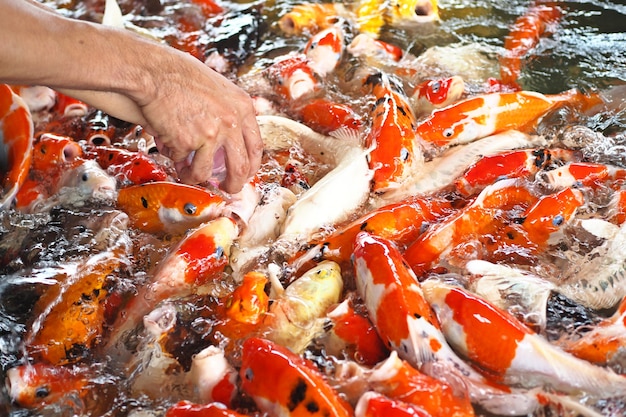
409	247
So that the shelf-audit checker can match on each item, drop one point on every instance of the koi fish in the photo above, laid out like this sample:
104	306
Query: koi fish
480	116
249	302
53	152
523	36
213	377
324	50
310	17
128	167
188	409
69	317
295	317
330	118
395	155
617	207
511	164
353	335
16	134
66	106
199	257
39	384
520	356
582	173
38	98
298	389
292	77
397	379
366	46
436	93
168	207
373	404
372	15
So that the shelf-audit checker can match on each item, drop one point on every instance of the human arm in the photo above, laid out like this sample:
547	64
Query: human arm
187	106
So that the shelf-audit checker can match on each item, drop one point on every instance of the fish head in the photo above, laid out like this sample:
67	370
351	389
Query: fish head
292	77
414	11
88	181
325	49
35	385
52	151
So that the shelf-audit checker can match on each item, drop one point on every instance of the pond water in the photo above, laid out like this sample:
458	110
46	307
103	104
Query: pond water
586	50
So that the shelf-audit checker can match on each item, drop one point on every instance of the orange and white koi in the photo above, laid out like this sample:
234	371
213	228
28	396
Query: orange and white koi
128	167
53	152
583	173
66	106
436	93
168	207
617	207
480	116
292	77
397	379
198	258
189	409
330	118
395	154
523	36
296	316
520	356
373	404
511	164
408	325
324	50
70	316
298	389
366	46
36	385
213	377
603	342
353	335
16	134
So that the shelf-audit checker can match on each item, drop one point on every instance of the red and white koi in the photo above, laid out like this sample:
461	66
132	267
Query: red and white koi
199	257
16	143
214	379
66	106
524	36
292	77
189	409
298	388
395	154
128	167
297	315
480	116
324	50
168	207
436	93
582	173
330	118
520	357
367	47
373	404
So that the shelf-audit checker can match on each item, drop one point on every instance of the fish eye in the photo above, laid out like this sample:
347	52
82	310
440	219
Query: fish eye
435	86
42	392
249	375
190	208
448	133
558	220
85	177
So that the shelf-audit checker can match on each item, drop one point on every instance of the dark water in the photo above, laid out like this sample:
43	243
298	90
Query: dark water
587	51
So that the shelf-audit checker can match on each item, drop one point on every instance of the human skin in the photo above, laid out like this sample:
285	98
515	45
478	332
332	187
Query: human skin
190	109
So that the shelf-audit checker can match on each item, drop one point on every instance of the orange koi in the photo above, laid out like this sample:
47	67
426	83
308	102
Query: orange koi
310	17
70	316
199	257
66	106
16	134
359	340
296	388
395	154
583	173
188	409
386	284
36	385
374	404
326	117
249	301
128	167
292	77
523	36
168	207
480	116
400	222
520	356
617	207
397	379
53	152
600	344
511	164
324	50
470	221
437	93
